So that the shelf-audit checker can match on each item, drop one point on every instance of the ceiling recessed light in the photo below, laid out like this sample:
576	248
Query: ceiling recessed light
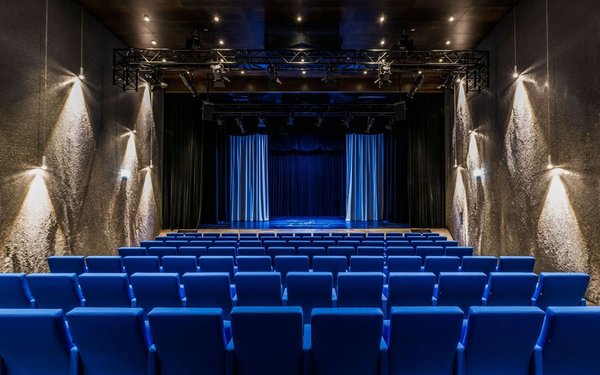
381	19
451	19
382	42
420	72
303	71
221	42
216	19
146	18
448	42
243	72
299	18
441	60
153	42
364	72
302	59
164	60
413	29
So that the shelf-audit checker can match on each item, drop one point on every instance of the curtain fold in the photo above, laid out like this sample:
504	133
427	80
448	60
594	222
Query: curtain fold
249	186
364	177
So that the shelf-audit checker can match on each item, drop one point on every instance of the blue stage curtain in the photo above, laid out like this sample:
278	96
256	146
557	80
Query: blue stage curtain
249	185
364	177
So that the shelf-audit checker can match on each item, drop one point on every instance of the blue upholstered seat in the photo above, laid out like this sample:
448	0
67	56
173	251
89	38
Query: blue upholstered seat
437	264
424	340
228	251
176	243
67	264
400	250
36	341
462	289
275	251
274	243
258	288
569	341
267	340
501	340
393	242
309	290
132	251
55	290
346	251
217	264
162	251
106	289
135	264
104	264
561	289
310	252
112	340
196	250
188	341
404	263
347	341
410	289
360	289
285	264
367	264
423	243
516	264
152	243
370	250
252	251
459	251
156	290
254	263
250	243
323	243
485	264
14	291
208	290
179	264
428	251
330	263
510	288
444	243
296	243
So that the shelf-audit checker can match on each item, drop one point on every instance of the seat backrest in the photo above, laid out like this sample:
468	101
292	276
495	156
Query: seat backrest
366	264
67	264
156	290
393	242
267	340
404	263
462	289
485	264
516	264
55	290
221	251
252	251
179	264
424	340
311	251
250	243
258	288
162	251
225	243
153	243
427	251
510	288
146	263
281	250
501	340
35	341
459	251
330	263
208	290
360	289
309	290
400	250
350	243
274	243
347	251
131	251
188	340
569	340
196	251
422	243
298	243
106	289
323	243
216	264
443	243
410	289
285	264
370	250
14	291
561	289
104	264
200	242
437	264
346	341
254	263
110	340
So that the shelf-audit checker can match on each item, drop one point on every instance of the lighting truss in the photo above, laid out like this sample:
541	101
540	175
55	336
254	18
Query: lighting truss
129	63
291	111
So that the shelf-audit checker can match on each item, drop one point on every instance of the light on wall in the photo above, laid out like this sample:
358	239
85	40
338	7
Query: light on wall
478	173
125	174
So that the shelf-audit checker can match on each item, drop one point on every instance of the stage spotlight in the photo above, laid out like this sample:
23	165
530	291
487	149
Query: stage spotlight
451	19
189	83
220	121
154	42
319	121
240	125
390	124
385	75
154	79
347	120
81	75
261	122
370	123
331	75
515	72
550	165
194	43
382	42
290	121
299	18
217	19
125	174
146	18
405	43
448	42
417	83
273	74
219	78
365	72
382	18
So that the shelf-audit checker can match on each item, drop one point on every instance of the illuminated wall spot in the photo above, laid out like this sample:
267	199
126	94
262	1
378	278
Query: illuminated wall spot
460	210
147	223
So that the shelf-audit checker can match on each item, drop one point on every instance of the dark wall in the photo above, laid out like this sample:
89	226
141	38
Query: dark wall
79	205
519	206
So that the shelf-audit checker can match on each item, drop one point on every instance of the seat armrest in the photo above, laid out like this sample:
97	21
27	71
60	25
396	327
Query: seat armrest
483	301
74	368
133	302
184	302
583	302
229	358
83	302
386	331
537	361
284	298
383	358
333	297
152	368
306	350
460	359
234	300
232	290
32	303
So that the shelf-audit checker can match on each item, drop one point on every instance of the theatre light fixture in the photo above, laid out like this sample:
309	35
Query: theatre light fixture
219	78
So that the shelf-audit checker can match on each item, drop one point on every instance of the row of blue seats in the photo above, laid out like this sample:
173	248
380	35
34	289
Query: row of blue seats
305	289
274	341
300	234
300	242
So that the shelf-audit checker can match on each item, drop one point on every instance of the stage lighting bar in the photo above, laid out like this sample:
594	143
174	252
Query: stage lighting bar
418	82
188	82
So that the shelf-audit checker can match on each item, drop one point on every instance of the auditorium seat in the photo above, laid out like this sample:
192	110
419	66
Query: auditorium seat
152	243
36	341
367	264
394	235
252	251
462	289
179	264
422	243
516	264
410	289
444	243
561	289
347	251
400	251
112	340
372	243
14	291
55	290
510	288
459	251
333	264
274	243
267	340
106	290
156	290
267	235
221	251
254	263
398	243
428	251
285	264
104	264
280	250
569	341
217	264
298	243
309	290
247	243
162	251
208	290
437	264
347	341
485	264
404	263
500	340
350	242
224	243
135	264
424	340
413	235
360	289
258	289
310	252
176	243
198	243
196	251
188	341
67	264
132	251
370	250
323	243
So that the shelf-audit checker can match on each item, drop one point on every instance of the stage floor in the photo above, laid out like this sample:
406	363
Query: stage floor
305	223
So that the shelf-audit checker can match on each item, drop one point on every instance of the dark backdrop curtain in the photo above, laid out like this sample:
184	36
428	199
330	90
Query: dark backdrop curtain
306	175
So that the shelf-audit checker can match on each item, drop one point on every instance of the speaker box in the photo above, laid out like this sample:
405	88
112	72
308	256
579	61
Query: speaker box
208	111
400	111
